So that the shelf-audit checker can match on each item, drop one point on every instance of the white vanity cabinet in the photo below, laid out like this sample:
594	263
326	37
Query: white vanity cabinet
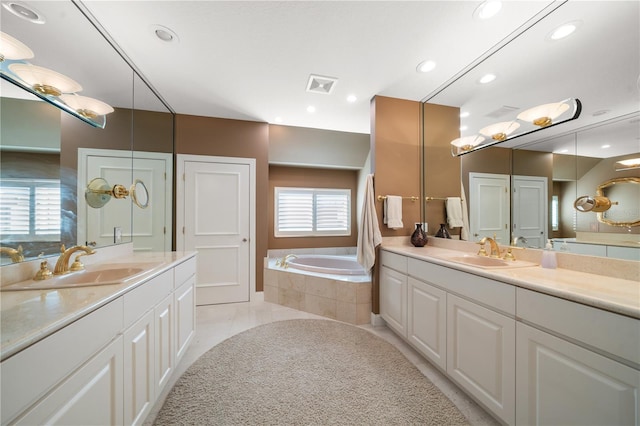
579	369
393	291
109	366
427	321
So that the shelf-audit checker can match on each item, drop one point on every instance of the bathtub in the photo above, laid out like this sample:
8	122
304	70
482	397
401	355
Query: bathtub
332	286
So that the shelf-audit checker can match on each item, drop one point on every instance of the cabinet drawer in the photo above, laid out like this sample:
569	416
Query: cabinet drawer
183	271
494	294
606	331
146	296
393	261
30	374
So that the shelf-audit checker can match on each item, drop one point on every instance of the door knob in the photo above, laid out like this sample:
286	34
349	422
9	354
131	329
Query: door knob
244	240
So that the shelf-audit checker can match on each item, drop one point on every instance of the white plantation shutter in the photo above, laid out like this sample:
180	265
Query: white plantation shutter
30	209
312	212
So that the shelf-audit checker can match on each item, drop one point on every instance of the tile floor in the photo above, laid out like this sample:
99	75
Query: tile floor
215	323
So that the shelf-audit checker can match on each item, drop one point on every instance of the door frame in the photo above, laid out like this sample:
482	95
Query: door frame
181	159
83	180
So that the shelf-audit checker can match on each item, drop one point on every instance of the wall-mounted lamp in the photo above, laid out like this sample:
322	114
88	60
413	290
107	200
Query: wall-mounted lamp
48	85
529	121
630	164
596	203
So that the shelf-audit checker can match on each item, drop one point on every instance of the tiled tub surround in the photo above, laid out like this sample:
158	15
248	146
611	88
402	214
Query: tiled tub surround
341	297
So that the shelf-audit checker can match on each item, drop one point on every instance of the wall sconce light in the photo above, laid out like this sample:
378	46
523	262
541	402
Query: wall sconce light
597	203
87	107
630	164
14	49
531	120
44	80
543	115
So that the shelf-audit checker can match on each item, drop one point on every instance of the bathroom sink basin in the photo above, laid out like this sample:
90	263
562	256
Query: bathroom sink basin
99	275
487	262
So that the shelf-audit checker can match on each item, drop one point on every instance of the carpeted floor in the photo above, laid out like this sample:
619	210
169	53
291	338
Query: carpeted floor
305	372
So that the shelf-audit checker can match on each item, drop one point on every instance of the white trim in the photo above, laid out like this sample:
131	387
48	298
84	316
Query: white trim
181	159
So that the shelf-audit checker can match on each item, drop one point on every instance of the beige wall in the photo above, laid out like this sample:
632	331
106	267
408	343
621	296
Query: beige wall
312	178
232	138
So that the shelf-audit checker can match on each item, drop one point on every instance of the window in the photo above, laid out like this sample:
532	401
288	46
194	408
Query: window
304	212
555	213
30	209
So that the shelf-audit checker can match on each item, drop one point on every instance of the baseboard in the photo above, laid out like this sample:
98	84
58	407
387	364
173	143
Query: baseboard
377	321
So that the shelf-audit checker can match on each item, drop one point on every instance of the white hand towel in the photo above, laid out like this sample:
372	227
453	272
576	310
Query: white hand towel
369	235
464	232
393	212
454	212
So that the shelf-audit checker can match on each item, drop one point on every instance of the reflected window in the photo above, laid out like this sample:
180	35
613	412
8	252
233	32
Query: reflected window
30	209
303	212
555	213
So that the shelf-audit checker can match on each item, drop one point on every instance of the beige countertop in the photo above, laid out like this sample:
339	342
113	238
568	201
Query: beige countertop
612	294
28	316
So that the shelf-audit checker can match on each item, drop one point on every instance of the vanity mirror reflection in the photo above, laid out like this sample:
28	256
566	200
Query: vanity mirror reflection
542	174
50	155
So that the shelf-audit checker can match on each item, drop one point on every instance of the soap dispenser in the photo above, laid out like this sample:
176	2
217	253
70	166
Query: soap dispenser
549	257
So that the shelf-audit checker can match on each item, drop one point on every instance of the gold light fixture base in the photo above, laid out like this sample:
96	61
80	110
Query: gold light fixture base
542	121
45	89
499	137
87	113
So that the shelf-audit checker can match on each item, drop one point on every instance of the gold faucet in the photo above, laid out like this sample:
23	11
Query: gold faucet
16	255
62	265
283	262
495	249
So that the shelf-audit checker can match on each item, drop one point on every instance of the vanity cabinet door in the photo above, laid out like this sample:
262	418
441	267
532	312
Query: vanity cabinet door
91	395
561	383
427	321
185	325
164	339
481	355
393	299
139	358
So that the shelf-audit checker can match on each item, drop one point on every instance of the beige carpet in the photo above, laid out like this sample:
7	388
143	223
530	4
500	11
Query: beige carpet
305	372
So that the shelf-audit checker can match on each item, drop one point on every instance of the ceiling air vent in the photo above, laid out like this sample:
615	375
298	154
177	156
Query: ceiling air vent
502	111
321	84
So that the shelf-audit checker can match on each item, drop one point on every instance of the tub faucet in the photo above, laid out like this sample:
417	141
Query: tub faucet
62	265
283	262
16	255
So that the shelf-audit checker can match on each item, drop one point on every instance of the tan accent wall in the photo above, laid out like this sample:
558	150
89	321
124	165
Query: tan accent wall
283	176
441	169
232	138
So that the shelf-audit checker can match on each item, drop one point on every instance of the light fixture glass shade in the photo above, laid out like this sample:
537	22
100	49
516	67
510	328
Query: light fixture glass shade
44	80
630	164
543	115
11	48
87	107
464	144
500	131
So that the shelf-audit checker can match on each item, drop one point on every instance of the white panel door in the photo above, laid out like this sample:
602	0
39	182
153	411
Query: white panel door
489	206
216	225
481	355
560	383
139	367
393	299
530	210
427	321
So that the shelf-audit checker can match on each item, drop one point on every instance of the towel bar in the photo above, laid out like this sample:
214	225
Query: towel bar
384	197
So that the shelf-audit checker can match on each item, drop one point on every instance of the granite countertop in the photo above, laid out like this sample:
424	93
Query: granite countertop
612	294
28	316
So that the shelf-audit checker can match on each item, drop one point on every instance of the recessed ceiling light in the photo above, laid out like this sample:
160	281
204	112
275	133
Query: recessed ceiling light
564	30
487	78
311	108
605	146
164	34
352	98
487	9
426	66
23	11
464	114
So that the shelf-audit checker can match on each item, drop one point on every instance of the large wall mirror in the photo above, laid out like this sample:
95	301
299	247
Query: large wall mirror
531	182
49	155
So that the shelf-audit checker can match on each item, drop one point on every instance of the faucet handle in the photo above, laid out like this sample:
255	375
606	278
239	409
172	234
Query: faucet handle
482	251
43	273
